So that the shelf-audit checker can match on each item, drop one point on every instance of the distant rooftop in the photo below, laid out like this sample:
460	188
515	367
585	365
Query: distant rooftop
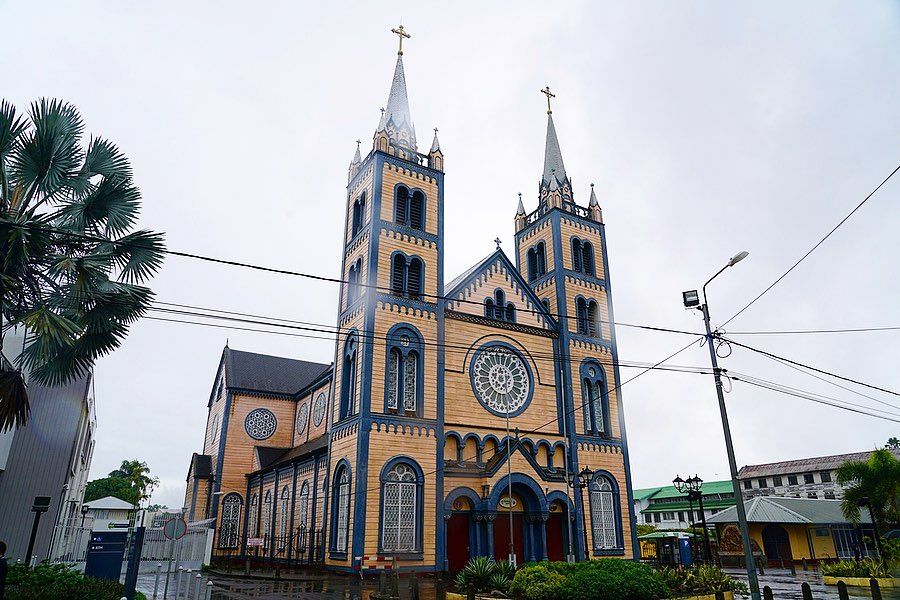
265	373
777	509
804	465
109	503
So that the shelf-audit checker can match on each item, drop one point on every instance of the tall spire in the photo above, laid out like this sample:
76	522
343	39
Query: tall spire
554	180
396	121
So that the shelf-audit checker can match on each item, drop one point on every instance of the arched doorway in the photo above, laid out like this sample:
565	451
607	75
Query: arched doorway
518	520
459	526
776	544
509	526
557	531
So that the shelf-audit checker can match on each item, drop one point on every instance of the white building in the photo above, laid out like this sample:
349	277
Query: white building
109	513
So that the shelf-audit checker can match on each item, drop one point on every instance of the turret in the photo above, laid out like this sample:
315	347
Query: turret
596	213
520	215
435	156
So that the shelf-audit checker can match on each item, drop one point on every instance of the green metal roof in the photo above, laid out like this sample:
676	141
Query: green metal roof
644	493
709	487
676	506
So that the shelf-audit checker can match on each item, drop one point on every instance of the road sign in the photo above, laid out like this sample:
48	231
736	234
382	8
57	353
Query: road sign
174	529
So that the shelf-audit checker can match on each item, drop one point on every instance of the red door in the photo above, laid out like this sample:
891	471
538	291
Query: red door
501	538
555	544
458	541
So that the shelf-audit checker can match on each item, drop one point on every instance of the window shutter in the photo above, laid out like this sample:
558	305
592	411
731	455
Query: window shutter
532	265
416	210
588	258
401	206
576	255
414	279
541	260
398	271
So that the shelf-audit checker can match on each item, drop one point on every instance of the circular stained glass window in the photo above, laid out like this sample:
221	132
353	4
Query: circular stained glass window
501	380
302	418
260	423
319	410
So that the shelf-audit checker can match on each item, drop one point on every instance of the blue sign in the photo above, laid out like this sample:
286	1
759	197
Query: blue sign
105	553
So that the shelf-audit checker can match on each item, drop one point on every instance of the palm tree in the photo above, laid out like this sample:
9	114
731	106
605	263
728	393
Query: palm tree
874	483
71	267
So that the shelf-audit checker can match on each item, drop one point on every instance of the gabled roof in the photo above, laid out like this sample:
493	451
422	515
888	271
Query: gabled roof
804	465
109	503
644	493
777	509
264	373
470	275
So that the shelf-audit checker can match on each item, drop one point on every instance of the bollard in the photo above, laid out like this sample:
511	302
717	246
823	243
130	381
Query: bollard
805	566
208	590
178	573
842	591
807	592
197	587
413	587
382	583
876	589
440	590
187	584
767	593
761	564
793	568
156	583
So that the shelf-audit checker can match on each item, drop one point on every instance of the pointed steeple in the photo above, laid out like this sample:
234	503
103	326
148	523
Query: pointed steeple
554	169
396	122
593	202
356	157
594	210
435	144
521	209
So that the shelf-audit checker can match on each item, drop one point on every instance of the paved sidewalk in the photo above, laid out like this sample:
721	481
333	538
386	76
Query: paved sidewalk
787	587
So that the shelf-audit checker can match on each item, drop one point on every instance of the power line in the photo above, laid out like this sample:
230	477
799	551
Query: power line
799	364
811	250
808	331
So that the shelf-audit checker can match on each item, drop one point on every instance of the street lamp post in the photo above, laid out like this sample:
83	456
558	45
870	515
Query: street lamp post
581	480
691	300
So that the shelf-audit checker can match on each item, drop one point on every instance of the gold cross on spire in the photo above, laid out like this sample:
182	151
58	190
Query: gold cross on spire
546	91
400	34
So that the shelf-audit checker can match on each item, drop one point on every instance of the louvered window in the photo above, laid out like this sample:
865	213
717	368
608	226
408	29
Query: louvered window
593	320
582	318
401	208
400	510
541	260
414	279
603	514
587	258
231	519
577	256
532	265
417	210
398	274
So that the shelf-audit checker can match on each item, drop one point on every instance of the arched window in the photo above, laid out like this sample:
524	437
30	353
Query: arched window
498	308
417	210
359	215
414	279
587	258
401	206
284	519
404	385
348	378
354	278
499	305
401	506
231	521
510	314
582	317
302	517
532	264
340	509
267	516
252	530
541	259
593	319
577	256
489	308
398	274
595	399
603	513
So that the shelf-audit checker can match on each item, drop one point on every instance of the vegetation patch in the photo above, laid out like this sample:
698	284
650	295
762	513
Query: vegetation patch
60	582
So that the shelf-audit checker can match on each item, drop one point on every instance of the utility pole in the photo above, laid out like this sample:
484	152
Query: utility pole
691	300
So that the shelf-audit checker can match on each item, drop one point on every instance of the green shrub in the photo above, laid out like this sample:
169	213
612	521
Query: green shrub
59	582
868	567
483	574
604	579
703	579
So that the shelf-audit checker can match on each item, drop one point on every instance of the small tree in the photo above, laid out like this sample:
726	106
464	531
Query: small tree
71	266
893	443
874	482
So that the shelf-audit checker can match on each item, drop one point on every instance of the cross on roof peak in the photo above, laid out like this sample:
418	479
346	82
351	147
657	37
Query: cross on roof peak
546	91
401	33
498	241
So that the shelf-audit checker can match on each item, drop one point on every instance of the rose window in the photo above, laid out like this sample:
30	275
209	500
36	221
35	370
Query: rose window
260	423
319	410
501	380
302	418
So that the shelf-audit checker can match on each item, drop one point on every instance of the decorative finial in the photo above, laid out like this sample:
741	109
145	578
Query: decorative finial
498	241
400	34
358	142
435	131
546	91
382	112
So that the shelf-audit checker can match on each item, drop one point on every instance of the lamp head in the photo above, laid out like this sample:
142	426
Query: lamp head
585	475
738	258
678	482
691	298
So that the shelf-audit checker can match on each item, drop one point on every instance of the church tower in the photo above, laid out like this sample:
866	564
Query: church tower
387	397
561	252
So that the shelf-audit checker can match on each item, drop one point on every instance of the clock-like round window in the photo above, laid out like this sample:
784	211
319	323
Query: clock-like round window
260	423
302	418
319	410
501	380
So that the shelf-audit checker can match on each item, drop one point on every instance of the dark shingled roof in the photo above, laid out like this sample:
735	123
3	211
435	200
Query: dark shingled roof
804	465
273	374
271	457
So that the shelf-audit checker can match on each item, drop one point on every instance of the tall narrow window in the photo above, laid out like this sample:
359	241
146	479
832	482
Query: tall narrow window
359	215
581	317
417	210
252	529
541	259
302	516
596	401
267	516
577	256
404	386
499	305
532	264
398	274
341	510
489	308
593	319
401	206
284	519
587	258
603	514
231	520
510	314
348	378
414	279
401	507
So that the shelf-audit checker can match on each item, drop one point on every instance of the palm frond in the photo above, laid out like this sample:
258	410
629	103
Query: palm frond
112	206
102	158
139	255
11	127
14	406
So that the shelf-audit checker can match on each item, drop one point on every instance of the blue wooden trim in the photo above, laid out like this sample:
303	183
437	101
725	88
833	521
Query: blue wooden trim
619	404
416	345
214	509
420	502
407	258
440	558
502	486
410	231
462	492
587	278
531	378
332	538
587	410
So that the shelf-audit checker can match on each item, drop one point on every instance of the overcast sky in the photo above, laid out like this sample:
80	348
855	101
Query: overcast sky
707	127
